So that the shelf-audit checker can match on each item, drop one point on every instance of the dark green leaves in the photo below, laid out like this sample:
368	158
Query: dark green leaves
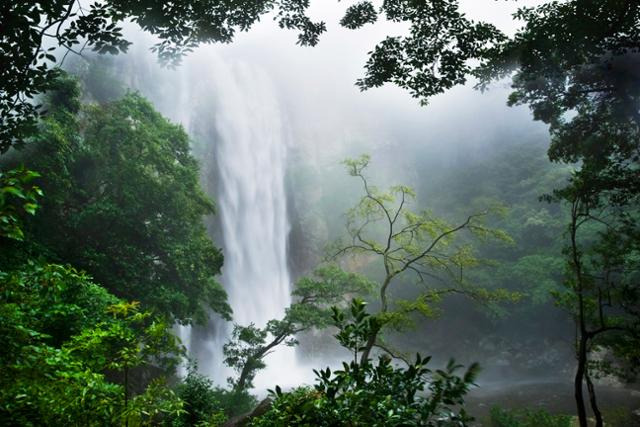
124	203
59	332
437	53
358	15
18	196
373	394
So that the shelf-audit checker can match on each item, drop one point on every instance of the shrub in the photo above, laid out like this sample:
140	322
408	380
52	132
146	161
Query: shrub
527	418
373	394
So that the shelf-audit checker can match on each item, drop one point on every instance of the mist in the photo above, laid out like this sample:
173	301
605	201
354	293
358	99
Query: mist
229	97
293	164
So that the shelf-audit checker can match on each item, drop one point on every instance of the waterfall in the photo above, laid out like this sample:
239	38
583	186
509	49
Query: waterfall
231	110
251	156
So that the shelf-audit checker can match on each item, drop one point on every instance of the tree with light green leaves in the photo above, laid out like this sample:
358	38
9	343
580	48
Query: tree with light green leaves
313	298
411	246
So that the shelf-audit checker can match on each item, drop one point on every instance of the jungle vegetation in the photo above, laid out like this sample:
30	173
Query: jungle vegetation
103	247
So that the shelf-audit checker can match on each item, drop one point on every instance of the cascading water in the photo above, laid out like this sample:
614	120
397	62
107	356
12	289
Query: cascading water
231	110
250	154
251	162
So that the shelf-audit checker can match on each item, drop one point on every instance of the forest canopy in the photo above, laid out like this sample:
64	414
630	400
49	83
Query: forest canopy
104	248
123	203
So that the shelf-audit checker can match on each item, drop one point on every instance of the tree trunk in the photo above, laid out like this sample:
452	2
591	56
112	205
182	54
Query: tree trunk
244	374
577	385
126	395
592	399
368	346
583	337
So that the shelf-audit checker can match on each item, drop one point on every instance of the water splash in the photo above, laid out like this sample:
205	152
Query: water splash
251	159
231	110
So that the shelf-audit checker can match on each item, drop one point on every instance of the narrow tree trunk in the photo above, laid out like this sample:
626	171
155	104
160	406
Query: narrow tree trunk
577	385
582	330
126	396
247	369
368	346
592	399
383	309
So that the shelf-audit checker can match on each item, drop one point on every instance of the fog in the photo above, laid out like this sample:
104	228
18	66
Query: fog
309	93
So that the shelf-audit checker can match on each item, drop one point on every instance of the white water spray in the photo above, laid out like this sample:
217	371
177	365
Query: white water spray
231	110
248	151
251	158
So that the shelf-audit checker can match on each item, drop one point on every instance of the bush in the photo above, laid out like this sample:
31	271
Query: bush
527	418
201	407
206	404
59	334
373	394
234	402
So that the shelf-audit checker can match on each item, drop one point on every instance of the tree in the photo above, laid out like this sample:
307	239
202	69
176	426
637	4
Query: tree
443	48
576	67
201	402
382	229
129	339
601	287
124	204
29	63
373	394
48	313
314	297
577	70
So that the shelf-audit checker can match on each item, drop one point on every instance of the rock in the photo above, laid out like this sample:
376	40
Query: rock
243	420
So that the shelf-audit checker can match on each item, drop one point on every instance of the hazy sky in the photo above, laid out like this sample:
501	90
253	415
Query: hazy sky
327	110
330	118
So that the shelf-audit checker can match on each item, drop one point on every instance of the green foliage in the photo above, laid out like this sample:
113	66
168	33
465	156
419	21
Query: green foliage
601	291
355	328
575	70
124	203
244	352
59	334
570	56
129	338
152	407
527	418
315	297
418	246
49	303
201	404
18	196
29	67
234	402
358	15
435	56
368	394
41	383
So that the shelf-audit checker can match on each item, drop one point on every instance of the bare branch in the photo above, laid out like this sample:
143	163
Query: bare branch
392	353
439	238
